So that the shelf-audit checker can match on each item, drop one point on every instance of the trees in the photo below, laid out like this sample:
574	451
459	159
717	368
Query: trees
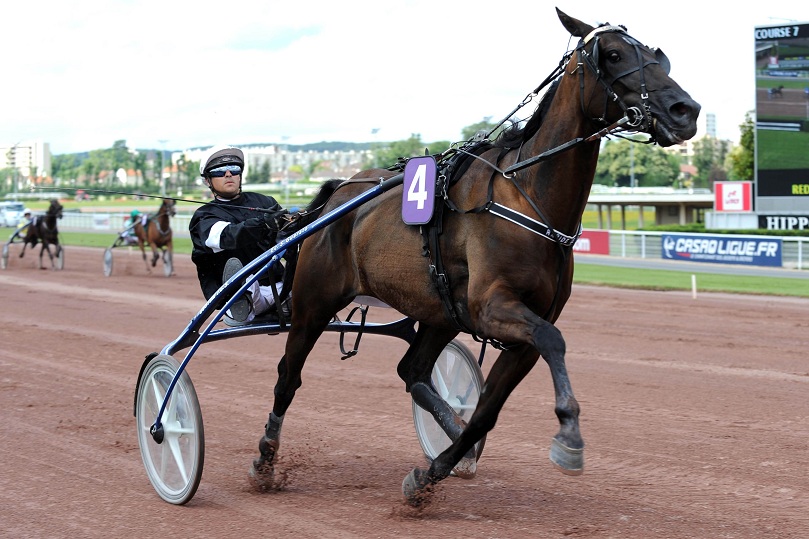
623	163
709	158
484	125
387	156
740	161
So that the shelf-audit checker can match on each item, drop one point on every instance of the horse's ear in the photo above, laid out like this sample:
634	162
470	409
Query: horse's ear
574	26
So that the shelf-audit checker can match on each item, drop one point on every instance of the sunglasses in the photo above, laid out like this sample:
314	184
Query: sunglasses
220	172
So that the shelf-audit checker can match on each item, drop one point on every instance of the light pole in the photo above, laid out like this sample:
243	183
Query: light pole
162	166
11	158
632	165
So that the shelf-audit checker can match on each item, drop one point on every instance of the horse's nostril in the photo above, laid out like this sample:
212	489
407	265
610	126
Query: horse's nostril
686	110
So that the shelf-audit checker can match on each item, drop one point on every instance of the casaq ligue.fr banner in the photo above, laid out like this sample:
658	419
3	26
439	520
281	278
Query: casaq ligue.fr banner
722	249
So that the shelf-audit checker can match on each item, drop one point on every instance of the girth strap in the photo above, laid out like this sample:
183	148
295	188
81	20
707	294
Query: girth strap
431	233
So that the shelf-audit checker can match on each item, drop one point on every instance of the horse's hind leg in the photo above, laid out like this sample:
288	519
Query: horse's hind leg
42	252
300	341
415	369
143	255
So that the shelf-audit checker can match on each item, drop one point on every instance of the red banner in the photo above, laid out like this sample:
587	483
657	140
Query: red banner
733	196
593	242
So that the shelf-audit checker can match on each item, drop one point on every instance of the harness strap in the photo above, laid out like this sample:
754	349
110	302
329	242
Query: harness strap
537	227
432	232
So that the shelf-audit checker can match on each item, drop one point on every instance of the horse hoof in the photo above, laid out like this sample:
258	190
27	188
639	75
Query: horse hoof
416	488
569	461
262	475
466	468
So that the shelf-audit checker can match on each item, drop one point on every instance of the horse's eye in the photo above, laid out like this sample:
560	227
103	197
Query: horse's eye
613	57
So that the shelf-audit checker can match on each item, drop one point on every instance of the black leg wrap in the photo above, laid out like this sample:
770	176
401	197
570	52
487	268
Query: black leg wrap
273	427
262	472
426	397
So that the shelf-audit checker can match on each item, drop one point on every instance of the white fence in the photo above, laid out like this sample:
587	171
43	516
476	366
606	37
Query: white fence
114	222
623	243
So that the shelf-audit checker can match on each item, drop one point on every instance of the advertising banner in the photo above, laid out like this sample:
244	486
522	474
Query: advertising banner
722	249
593	242
733	196
101	221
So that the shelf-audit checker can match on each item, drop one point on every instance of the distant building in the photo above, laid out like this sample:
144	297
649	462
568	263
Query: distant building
277	159
30	159
710	124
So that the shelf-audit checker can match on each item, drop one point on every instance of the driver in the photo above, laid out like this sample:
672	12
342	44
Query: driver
128	234
26	213
229	232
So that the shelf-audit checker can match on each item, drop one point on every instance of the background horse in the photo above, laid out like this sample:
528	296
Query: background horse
777	91
156	233
43	229
496	260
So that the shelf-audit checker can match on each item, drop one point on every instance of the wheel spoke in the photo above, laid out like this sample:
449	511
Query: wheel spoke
454	374
177	454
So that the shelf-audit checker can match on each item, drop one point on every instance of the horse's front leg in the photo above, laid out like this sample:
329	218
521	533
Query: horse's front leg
508	370
155	255
567	447
510	321
508	324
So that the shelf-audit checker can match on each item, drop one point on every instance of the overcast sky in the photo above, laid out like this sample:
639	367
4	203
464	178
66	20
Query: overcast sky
178	74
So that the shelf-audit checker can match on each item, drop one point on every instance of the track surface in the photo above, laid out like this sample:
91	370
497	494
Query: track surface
695	413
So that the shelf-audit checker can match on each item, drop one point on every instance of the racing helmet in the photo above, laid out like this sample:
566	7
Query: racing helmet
134	214
222	155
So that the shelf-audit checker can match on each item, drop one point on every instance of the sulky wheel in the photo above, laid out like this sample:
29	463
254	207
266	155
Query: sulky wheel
108	261
458	379
168	265
4	261
174	466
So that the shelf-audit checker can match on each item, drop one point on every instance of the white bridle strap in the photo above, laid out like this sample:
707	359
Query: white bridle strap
602	29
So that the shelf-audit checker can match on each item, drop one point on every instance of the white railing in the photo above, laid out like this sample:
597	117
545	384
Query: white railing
114	222
623	243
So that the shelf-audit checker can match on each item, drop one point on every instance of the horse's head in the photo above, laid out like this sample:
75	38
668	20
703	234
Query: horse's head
169	207
623	77
55	209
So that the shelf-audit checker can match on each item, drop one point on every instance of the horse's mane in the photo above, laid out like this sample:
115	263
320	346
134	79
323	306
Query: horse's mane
515	135
323	194
512	136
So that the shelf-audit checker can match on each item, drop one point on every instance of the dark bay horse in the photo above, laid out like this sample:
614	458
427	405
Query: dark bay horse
156	233
498	261
42	229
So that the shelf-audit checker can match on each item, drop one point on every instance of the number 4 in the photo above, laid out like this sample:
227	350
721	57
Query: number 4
418	187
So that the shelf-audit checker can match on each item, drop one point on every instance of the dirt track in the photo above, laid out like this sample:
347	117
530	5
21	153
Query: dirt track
695	413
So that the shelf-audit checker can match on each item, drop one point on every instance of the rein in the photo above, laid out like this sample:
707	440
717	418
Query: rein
632	119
